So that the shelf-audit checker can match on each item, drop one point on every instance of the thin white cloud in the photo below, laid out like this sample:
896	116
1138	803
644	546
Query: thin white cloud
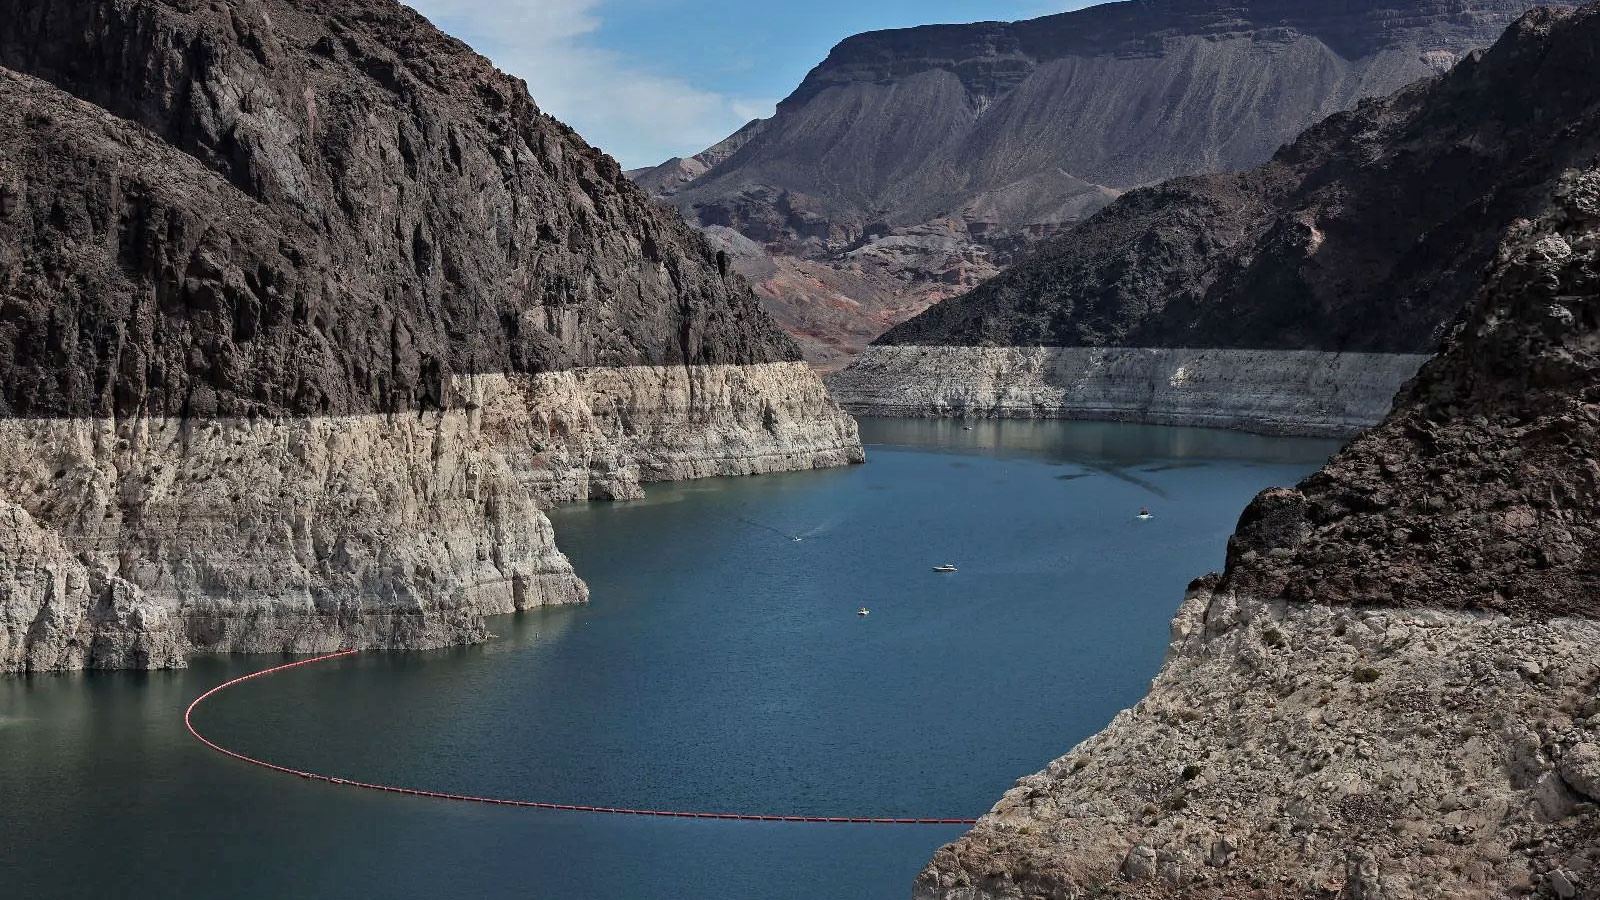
753	109
639	117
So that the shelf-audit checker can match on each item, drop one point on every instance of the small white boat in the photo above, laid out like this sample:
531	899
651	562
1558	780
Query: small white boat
863	611
944	568
1144	514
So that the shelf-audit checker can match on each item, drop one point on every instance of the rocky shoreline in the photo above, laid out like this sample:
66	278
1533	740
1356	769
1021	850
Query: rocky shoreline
307	311
1298	750
1305	393
135	542
603	433
1393	690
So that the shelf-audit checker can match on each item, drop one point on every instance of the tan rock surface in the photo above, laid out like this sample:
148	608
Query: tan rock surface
1265	391
1295	750
1394	689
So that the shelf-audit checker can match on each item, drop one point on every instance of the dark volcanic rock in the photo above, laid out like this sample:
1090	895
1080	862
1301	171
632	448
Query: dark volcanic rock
1368	233
372	208
1334	718
237	241
1481	492
1015	132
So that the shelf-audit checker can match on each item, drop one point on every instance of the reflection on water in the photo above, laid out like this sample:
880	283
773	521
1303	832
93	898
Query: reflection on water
1115	449
1102	444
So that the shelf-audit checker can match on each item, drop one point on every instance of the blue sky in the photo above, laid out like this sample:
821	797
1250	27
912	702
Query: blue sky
651	79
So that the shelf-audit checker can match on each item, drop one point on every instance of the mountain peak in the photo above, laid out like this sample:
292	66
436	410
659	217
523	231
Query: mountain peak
1016	131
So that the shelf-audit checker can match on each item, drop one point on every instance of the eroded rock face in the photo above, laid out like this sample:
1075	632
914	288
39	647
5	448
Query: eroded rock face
1294	750
999	135
603	433
1368	233
305	312
57	613
1392	692
1264	391
1481	491
289	535
312	534
335	208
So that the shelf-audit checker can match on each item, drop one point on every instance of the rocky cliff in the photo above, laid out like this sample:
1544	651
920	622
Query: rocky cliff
911	165
1368	234
1268	392
1392	690
305	310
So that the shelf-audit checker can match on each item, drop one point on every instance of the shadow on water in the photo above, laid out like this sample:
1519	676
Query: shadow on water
1173	465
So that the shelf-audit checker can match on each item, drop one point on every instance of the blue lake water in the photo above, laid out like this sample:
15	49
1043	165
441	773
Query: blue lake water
720	667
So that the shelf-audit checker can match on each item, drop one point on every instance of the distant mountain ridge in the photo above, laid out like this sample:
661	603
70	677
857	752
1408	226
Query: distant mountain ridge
974	141
1401	656
671	176
1369	233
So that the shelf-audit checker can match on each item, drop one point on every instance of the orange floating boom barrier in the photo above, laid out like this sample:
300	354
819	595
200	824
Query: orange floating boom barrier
188	722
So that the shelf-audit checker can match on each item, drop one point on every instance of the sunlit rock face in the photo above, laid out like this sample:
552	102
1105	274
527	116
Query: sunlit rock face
1288	392
1392	689
1364	241
306	311
911	165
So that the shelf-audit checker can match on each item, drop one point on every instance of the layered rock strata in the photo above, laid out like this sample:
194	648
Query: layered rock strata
603	433
141	539
1394	689
912	164
1264	391
295	534
1368	234
1292	750
306	311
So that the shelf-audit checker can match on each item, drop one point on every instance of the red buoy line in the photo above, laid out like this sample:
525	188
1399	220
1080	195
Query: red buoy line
188	723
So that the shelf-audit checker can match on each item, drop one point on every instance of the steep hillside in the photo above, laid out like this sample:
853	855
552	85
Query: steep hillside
1367	235
1392	691
999	134
305	310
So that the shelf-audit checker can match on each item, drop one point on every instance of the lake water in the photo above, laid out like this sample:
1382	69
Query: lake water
720	667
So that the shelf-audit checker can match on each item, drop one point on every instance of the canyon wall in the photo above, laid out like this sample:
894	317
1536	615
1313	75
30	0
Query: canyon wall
913	164
306	312
1295	750
1393	690
1369	234
138	540
602	433
1265	391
